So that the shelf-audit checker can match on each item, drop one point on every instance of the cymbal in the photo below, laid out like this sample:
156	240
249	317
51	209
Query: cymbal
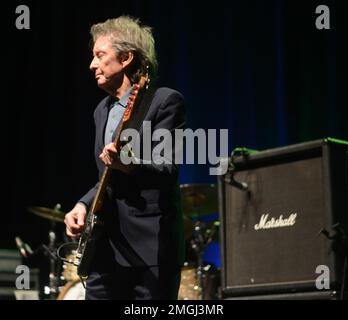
199	199
48	213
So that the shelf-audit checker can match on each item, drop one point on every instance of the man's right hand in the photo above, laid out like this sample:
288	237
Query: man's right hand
75	220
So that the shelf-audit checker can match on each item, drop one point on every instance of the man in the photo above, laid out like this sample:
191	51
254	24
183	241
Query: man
140	251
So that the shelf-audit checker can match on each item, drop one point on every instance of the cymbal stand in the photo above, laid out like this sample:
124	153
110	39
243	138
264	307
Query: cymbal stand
52	289
197	244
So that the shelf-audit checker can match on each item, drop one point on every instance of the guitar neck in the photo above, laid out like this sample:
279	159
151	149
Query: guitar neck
132	104
99	196
105	179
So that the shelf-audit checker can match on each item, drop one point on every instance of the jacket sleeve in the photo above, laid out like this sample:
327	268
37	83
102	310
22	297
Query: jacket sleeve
164	150
170	116
87	199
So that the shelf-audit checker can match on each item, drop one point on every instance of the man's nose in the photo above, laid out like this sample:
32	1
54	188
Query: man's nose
93	64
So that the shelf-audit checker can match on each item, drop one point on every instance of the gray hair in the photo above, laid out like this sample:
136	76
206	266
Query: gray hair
128	35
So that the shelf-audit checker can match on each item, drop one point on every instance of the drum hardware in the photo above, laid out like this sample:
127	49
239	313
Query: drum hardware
69	272
189	285
73	290
52	289
54	214
53	251
188	228
198	245
200	201
24	249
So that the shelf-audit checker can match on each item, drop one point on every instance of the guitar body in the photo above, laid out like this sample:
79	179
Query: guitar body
87	244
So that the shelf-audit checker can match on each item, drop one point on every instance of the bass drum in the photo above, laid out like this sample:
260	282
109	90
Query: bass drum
73	290
189	286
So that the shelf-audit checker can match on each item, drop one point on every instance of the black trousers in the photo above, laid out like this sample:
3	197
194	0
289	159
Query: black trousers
130	283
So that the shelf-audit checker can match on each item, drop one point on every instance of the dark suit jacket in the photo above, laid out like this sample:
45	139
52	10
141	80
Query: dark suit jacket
142	211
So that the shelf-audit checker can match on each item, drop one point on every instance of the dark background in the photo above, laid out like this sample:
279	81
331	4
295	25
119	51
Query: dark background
258	68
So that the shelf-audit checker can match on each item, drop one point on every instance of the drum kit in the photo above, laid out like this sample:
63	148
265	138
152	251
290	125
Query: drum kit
199	276
63	281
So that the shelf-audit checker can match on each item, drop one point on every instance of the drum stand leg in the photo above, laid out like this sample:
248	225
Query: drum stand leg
50	250
198	245
200	276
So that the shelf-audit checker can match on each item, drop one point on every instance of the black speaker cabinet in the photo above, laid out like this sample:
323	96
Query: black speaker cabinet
271	239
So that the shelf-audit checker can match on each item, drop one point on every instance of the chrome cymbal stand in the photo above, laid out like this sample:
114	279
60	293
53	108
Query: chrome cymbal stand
52	289
198	244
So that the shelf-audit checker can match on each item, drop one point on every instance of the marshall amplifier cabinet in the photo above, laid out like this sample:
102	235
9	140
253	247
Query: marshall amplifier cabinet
283	219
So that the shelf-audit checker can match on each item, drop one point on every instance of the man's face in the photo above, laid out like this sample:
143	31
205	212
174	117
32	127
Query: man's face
106	66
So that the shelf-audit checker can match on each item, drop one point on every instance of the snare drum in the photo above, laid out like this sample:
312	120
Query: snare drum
73	290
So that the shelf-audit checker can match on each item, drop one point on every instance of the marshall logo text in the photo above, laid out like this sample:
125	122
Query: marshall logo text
266	223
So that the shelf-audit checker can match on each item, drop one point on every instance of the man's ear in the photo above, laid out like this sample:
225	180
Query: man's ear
127	58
